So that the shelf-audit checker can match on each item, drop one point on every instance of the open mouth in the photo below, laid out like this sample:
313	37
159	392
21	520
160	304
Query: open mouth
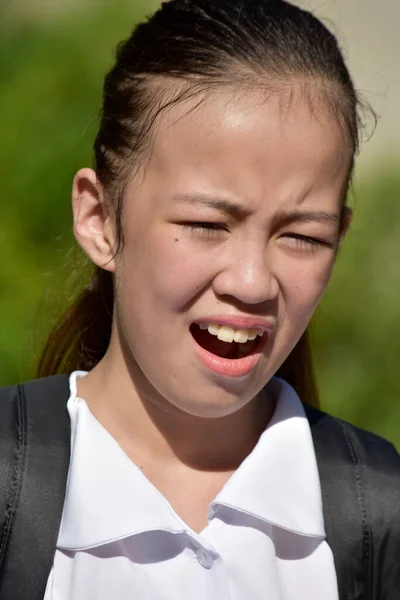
231	350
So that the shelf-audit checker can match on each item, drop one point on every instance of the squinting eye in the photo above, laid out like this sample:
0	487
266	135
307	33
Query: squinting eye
296	239
205	228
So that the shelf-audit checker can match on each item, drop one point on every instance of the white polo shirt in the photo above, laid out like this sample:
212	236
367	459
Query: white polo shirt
121	539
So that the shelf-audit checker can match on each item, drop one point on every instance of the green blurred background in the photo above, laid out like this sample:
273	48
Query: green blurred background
53	57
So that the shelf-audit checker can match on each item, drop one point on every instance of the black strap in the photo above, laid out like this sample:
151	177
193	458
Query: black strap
345	506
34	461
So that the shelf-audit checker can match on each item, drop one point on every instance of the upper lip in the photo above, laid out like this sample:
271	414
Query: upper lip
238	322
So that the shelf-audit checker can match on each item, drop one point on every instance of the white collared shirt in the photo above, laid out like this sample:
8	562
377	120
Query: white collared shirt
121	539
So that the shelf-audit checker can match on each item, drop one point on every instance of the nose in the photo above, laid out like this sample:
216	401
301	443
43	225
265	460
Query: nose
248	275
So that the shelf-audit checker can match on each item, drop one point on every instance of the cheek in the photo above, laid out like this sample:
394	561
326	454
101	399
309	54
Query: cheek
163	268
303	283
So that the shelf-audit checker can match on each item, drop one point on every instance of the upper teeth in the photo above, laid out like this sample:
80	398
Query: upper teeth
228	334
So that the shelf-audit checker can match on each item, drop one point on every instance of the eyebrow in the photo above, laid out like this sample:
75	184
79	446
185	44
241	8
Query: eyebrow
221	204
239	212
297	216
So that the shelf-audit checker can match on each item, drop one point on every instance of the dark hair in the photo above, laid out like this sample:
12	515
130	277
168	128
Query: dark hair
198	44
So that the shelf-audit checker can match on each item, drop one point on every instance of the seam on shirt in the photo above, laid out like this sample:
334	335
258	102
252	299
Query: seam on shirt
270	522
361	498
18	468
71	548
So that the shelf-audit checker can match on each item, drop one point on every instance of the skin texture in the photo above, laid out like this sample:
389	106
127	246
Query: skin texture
164	407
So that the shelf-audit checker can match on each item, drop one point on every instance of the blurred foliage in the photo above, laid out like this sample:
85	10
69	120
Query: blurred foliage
357	326
51	72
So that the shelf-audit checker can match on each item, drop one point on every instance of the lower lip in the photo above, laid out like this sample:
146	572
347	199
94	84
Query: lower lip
238	367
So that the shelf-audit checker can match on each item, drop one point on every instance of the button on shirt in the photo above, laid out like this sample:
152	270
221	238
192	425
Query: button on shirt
265	538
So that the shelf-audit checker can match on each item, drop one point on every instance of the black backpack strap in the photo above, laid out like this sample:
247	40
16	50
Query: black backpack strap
34	461
343	496
381	477
360	482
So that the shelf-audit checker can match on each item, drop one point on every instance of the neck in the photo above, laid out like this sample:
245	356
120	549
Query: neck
149	427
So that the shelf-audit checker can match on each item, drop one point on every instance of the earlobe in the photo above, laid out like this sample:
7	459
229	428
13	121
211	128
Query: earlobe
93	223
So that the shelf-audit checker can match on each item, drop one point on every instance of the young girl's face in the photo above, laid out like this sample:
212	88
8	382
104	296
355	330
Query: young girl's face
234	221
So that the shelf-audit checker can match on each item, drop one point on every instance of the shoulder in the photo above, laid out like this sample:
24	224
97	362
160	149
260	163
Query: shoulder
360	484
55	385
358	464
35	409
361	447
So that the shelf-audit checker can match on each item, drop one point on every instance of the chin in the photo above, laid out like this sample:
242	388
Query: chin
214	401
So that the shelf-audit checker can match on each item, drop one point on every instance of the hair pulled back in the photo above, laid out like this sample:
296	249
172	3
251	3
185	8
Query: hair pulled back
197	44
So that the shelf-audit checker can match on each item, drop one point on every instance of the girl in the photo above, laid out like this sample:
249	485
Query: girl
213	216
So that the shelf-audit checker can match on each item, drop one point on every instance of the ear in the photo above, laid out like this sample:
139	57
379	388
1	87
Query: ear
347	217
93	223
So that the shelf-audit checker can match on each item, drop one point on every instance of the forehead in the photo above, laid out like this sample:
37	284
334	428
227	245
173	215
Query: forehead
249	144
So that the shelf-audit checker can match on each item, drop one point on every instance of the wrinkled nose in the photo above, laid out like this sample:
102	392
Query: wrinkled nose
248	277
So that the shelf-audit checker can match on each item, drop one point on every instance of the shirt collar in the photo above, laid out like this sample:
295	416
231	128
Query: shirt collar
108	497
279	481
